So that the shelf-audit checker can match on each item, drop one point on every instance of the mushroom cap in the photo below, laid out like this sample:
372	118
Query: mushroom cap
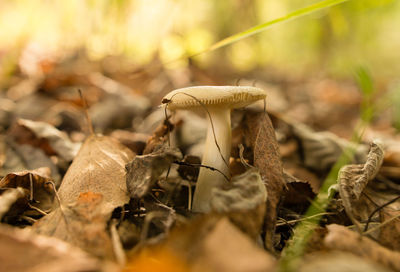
223	96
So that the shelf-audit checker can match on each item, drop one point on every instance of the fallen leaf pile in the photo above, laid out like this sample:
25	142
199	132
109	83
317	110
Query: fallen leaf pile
119	198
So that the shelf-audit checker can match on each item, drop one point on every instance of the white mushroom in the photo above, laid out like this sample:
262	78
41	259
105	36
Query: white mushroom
217	101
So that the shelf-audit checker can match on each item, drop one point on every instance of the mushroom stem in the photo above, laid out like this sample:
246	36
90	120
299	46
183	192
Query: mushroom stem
209	179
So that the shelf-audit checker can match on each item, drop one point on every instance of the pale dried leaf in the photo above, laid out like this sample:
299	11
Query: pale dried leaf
342	239
99	167
225	248
338	261
389	234
212	243
353	179
22	250
82	223
243	201
35	182
57	139
321	150
245	192
143	171
23	157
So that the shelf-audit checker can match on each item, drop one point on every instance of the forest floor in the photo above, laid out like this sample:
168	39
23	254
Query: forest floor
97	176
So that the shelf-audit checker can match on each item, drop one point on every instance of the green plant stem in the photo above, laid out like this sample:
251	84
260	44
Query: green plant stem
304	230
264	26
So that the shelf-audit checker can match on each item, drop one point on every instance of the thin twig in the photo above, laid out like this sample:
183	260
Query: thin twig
59	203
86	107
117	245
31	185
237	83
381	225
377	210
287	222
198	165
37	209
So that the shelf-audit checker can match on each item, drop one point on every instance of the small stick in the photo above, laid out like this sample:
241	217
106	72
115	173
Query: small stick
37	209
31	185
197	165
117	245
377	210
59	202
86	107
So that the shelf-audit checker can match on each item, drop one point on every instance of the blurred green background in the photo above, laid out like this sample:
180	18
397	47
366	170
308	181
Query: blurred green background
333	41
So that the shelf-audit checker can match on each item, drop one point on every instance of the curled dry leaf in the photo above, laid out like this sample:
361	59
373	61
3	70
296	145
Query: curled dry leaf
47	137
143	171
321	150
243	201
299	192
259	132
40	193
82	223
22	250
99	167
9	197
353	179
342	239
160	136
21	157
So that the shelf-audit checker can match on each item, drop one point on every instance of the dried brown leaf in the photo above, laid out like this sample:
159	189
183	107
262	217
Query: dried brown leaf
22	250
299	191
159	137
212	243
20	157
353	179
321	150
243	201
99	167
260	133
47	137
338	261
342	239
82	223
143	171
40	194
245	192
9	197
225	248
389	234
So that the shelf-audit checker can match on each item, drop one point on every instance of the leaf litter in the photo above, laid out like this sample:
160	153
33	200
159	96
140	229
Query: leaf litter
126	197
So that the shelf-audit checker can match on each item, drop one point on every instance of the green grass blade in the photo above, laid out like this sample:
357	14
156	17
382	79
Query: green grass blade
262	27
